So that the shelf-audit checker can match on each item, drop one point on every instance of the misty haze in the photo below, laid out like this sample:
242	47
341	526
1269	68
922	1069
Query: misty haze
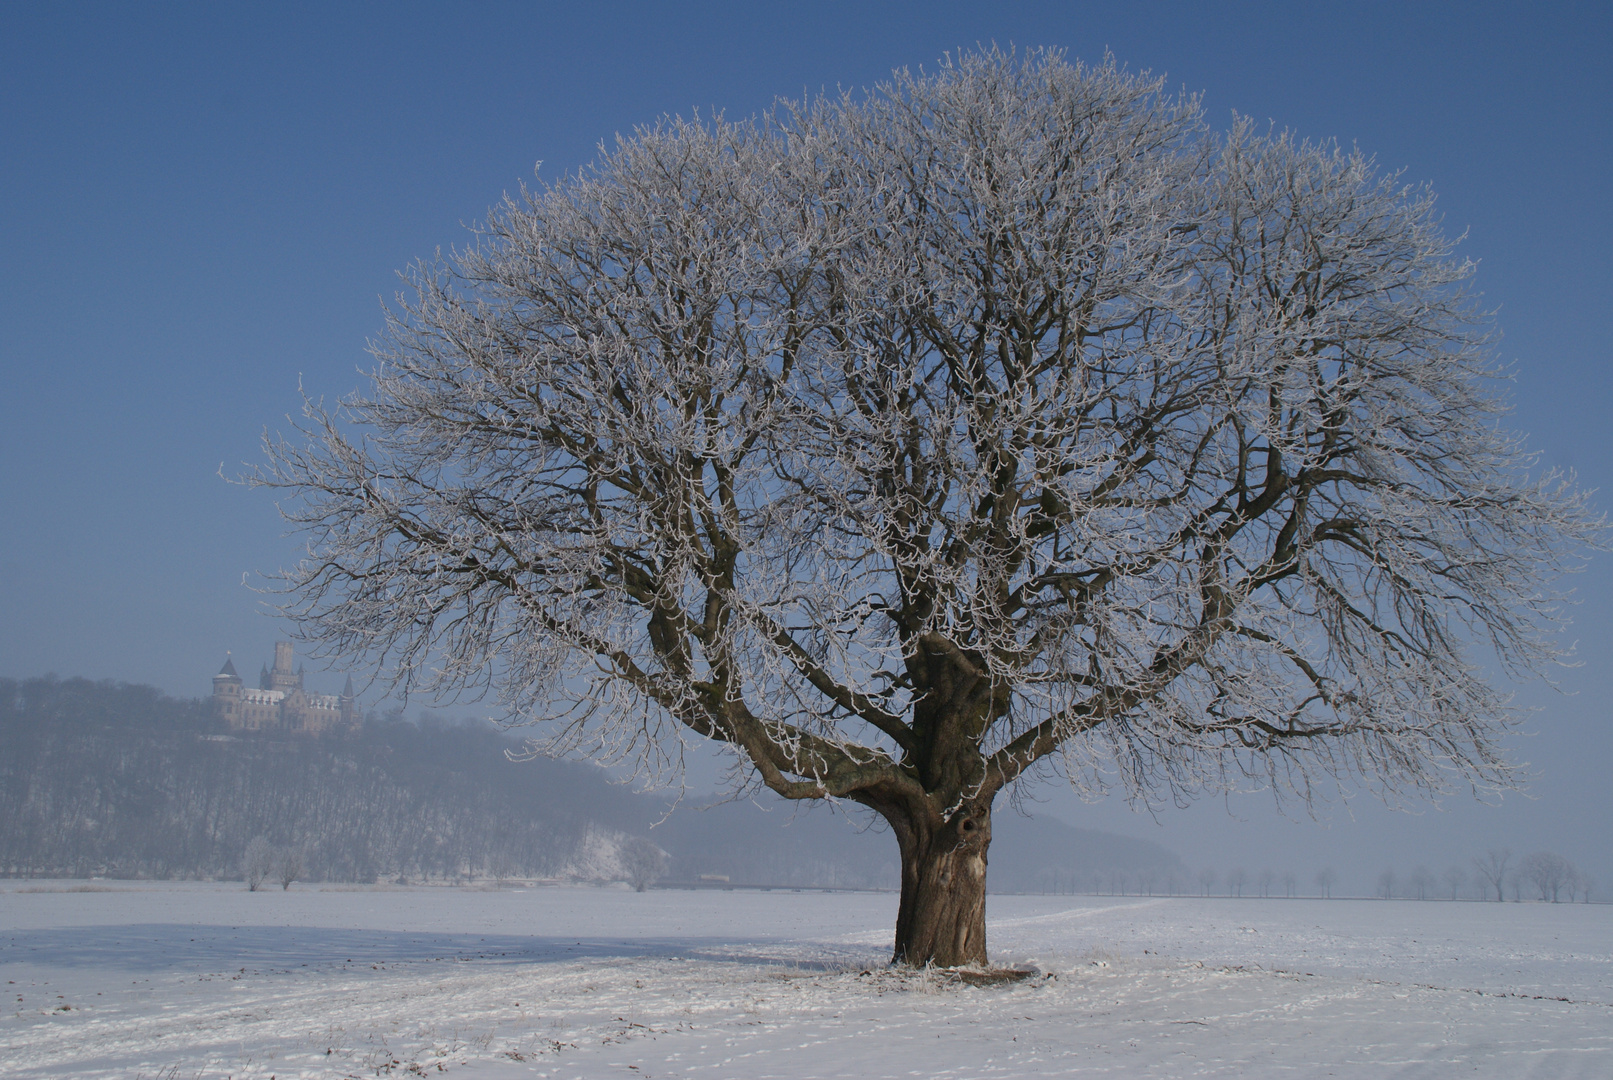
855	543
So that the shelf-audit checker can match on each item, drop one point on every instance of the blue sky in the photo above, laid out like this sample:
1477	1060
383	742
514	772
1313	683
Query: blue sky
202	207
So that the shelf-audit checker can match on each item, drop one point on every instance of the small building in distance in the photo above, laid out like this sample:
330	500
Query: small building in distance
280	704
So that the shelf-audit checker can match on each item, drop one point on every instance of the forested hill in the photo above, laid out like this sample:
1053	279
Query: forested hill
100	778
104	778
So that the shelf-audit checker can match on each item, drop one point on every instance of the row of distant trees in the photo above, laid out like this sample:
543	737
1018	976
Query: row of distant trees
1207	881
1495	875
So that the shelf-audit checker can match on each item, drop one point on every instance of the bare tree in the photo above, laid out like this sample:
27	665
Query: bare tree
1326	878
287	867
1146	877
1237	878
1386	885
1266	879
642	861
257	862
1290	883
1455	877
1492	869
1550	874
1207	880
1420	880
1000	422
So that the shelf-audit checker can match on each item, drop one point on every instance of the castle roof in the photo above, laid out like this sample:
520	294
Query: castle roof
228	668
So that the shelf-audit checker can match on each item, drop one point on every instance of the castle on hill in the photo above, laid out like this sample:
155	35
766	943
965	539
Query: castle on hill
280	704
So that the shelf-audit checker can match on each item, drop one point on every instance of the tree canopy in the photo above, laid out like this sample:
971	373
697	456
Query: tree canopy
1002	419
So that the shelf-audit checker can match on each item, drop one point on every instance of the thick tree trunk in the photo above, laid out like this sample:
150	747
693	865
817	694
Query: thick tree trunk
942	918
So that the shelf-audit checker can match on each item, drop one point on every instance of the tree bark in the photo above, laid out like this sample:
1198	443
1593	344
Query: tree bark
942	917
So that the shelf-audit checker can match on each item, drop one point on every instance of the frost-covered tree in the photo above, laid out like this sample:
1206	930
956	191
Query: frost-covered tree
641	861
1455	877
287	867
1550	874
1326	878
1003	421
257	863
1237	878
1492	869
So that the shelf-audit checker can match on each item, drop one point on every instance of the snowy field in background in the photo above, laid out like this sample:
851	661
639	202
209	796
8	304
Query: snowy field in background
197	982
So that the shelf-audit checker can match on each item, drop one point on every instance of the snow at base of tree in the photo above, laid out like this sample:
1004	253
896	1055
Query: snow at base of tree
121	979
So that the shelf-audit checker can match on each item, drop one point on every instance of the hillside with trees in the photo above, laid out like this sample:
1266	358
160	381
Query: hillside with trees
118	780
113	779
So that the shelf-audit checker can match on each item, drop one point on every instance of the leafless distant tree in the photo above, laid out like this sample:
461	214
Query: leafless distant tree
1146	878
1455	877
1237	878
257	862
1491	869
1265	880
1420	881
1001	421
1386	885
1290	883
1550	874
1207	880
642	861
287	866
1326	878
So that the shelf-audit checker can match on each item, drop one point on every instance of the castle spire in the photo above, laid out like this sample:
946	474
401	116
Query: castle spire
228	668
347	691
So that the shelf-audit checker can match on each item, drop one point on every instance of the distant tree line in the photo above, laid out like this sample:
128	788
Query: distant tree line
1495	875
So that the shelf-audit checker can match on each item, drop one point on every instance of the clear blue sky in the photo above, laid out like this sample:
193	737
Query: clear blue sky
202	206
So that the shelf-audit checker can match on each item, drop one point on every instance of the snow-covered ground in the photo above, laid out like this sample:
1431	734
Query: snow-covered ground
210	981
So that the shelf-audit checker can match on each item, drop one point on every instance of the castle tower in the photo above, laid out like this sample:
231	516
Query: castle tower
282	678
349	705
227	691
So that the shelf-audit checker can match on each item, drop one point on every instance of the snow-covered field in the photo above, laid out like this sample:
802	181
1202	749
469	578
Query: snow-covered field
210	981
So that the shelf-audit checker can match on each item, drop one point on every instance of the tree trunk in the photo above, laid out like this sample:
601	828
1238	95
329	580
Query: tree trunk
942	918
